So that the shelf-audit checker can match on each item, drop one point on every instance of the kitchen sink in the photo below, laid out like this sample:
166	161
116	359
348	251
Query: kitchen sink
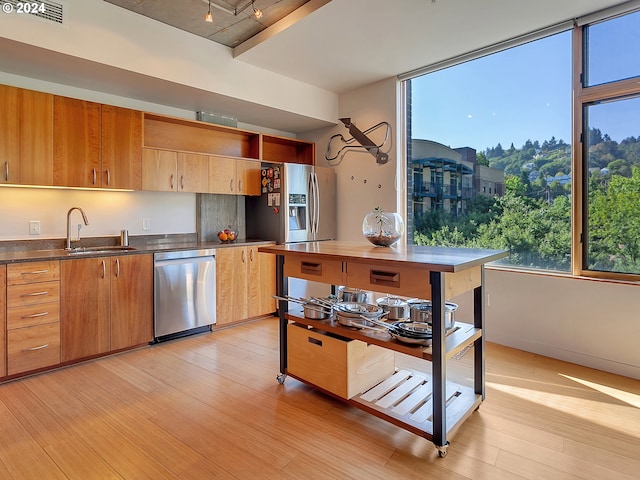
101	249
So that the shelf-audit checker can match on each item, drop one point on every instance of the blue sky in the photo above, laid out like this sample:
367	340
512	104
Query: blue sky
512	96
524	93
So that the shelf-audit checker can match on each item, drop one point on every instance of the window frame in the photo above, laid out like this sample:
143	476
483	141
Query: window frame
583	96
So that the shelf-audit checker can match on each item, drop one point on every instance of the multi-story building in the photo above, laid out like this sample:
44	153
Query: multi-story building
444	178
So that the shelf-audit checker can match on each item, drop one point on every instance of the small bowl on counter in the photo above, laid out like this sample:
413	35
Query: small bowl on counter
228	235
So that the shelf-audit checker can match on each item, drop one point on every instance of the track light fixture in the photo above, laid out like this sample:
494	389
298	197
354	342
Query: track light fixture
209	17
256	11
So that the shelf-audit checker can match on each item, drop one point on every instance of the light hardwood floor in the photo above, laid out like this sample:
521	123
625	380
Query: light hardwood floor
209	406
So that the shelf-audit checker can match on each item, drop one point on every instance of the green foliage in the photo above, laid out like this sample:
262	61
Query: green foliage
614	224
533	219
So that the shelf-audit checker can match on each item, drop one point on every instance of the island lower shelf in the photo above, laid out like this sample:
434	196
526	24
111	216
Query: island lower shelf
457	339
405	399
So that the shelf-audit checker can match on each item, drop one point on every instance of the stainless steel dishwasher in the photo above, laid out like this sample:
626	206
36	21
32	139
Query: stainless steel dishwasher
184	292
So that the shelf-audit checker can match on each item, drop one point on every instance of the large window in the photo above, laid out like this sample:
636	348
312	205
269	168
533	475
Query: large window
533	150
490	154
610	116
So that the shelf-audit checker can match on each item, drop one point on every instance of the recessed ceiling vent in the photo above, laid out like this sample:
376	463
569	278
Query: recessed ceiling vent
45	9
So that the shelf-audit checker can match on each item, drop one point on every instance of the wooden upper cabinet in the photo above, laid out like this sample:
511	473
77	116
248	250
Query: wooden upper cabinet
222	175
169	171
36	138
248	174
159	170
76	142
9	134
234	176
121	162
193	172
26	136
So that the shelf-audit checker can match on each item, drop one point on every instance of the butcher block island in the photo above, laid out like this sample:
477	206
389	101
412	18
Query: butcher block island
427	405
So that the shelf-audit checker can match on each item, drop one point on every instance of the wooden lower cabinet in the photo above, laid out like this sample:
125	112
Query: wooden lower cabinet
245	284
32	321
262	283
3	320
131	301
33	347
106	304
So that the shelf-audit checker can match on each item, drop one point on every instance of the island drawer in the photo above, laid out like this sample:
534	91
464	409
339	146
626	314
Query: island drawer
404	281
324	271
338	365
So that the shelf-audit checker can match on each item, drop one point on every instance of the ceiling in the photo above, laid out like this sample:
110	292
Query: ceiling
336	45
339	45
233	20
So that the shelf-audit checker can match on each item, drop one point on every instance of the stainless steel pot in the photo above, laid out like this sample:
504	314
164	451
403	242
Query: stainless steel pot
395	307
353	295
420	311
315	311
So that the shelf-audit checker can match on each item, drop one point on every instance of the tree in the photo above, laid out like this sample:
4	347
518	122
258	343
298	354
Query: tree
481	159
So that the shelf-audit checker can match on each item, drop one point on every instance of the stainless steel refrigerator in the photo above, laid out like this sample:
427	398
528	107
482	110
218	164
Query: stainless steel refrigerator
297	204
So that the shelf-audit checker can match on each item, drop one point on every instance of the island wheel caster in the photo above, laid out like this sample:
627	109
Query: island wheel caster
281	377
442	450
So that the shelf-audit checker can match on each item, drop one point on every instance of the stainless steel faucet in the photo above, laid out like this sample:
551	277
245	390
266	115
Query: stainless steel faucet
84	219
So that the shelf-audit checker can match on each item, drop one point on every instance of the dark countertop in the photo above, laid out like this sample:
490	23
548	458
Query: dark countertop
29	255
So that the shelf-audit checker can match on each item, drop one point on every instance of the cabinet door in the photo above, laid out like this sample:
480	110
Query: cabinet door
261	283
84	307
36	138
222	175
3	320
76	142
231	284
159	170
248	174
193	173
131	300
121	148
9	134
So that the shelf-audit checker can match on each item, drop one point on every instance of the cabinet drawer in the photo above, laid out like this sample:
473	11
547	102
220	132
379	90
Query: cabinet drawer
31	348
341	366
32	294
31	272
29	315
410	282
324	271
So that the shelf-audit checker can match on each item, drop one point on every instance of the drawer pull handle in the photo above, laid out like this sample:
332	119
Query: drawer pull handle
34	294
389	279
311	268
36	348
36	272
315	341
35	315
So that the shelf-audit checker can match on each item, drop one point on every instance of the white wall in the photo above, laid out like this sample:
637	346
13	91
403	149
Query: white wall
363	184
107	212
584	321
